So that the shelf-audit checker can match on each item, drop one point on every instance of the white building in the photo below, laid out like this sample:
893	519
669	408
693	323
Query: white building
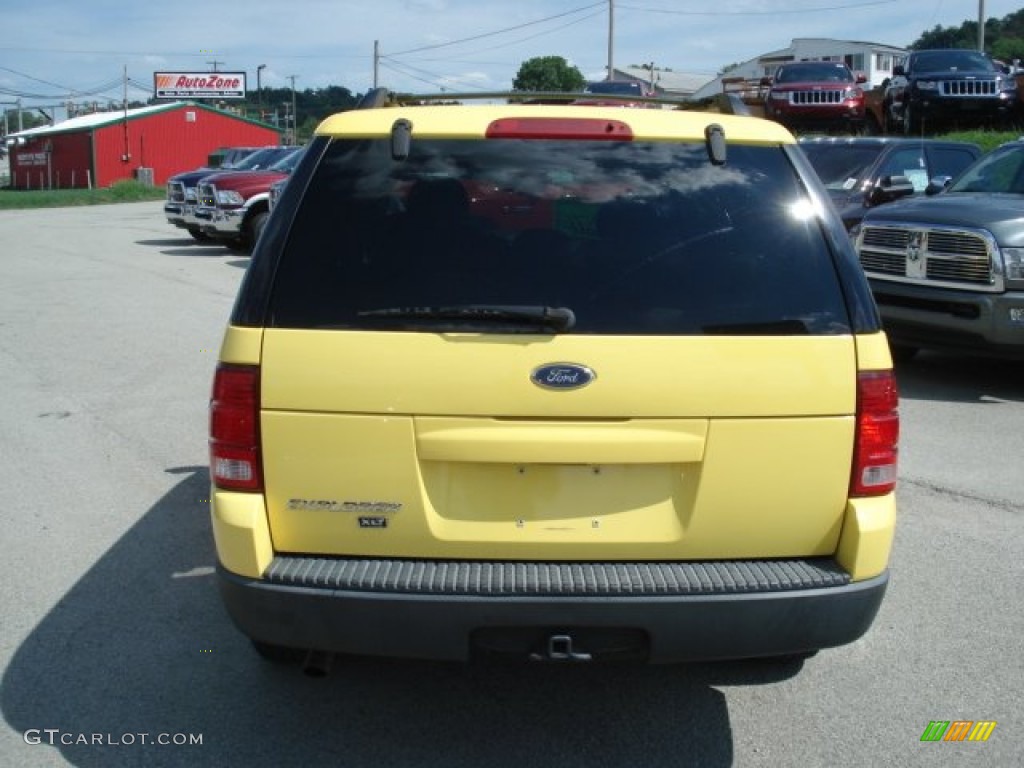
874	60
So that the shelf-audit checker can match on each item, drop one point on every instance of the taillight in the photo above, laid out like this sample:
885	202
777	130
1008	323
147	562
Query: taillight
878	432
234	428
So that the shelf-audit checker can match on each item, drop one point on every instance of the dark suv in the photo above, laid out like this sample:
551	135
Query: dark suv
961	87
816	95
562	383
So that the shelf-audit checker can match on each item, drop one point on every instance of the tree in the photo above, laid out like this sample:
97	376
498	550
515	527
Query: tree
1007	49
548	73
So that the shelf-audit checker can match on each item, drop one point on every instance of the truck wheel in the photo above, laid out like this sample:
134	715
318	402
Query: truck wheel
198	235
254	228
911	125
871	126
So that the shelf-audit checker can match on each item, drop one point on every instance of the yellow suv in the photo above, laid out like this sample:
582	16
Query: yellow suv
555	382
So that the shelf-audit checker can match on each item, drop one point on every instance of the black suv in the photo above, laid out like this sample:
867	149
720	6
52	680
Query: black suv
864	171
943	87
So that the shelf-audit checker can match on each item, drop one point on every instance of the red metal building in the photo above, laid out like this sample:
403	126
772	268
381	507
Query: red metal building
98	149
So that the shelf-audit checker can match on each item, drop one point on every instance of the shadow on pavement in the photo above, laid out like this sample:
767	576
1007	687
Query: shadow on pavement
141	645
186	246
953	378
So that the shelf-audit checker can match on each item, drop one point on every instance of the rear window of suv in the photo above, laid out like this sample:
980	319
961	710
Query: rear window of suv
636	237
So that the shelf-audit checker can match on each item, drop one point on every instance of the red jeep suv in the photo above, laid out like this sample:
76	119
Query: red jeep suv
816	94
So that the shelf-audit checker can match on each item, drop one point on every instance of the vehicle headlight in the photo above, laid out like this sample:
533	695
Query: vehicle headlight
926	85
1013	263
229	197
853	93
190	193
779	96
854	233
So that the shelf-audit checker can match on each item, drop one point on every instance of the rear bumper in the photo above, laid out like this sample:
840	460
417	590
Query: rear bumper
402	622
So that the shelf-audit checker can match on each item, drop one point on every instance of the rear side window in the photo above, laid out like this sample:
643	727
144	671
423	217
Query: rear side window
950	161
631	237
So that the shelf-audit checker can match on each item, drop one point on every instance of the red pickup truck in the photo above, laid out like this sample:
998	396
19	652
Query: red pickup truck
233	208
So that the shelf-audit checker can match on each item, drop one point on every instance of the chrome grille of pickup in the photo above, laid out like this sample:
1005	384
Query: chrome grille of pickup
206	195
816	97
884	237
968	87
494	578
935	255
176	192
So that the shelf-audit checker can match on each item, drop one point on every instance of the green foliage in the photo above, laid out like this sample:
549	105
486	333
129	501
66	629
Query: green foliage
119	192
548	73
987	140
1004	38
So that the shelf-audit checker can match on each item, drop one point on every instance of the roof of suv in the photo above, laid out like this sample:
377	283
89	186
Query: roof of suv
474	121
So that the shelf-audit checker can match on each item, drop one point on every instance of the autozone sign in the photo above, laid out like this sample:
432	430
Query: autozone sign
199	85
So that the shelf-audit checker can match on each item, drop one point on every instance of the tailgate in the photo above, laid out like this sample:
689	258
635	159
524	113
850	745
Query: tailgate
429	445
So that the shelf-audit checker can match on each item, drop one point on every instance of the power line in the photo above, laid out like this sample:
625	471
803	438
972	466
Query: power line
761	13
435	80
515	42
602	4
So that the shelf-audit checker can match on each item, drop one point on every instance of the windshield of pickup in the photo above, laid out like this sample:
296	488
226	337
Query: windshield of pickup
1000	171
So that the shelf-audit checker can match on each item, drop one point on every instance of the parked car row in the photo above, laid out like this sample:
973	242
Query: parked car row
929	90
184	210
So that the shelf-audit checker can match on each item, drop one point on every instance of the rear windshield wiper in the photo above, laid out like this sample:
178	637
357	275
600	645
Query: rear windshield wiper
557	319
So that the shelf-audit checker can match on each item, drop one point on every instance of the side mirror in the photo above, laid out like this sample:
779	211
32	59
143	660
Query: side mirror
899	71
887	189
861	78
937	184
766	81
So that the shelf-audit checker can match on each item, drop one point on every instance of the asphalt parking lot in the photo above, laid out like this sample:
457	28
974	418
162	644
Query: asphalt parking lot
115	640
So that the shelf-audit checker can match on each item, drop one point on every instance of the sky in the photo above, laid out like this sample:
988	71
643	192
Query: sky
83	50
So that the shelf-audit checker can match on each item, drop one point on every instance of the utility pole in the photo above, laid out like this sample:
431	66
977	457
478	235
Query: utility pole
214	65
981	25
376	61
259	89
295	122
611	39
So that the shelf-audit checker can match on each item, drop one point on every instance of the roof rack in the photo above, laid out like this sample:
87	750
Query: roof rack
723	103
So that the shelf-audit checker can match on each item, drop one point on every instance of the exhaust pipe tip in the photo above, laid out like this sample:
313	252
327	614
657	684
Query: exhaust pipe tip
317	663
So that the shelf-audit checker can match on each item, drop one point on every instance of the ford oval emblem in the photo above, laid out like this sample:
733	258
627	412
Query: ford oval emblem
562	376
